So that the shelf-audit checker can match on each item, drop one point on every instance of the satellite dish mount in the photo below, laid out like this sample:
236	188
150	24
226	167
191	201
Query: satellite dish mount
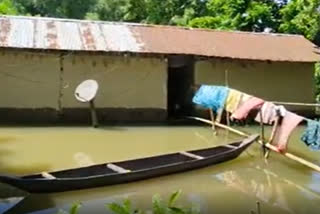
85	93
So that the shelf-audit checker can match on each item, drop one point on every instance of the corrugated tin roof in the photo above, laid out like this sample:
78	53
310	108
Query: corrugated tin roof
77	35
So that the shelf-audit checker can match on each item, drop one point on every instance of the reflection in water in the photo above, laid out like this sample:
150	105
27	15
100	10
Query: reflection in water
83	159
314	184
41	201
8	203
265	191
279	184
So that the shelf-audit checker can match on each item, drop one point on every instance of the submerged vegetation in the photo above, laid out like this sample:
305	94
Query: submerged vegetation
158	207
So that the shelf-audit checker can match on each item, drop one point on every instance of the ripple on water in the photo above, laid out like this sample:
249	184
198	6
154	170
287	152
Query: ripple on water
280	185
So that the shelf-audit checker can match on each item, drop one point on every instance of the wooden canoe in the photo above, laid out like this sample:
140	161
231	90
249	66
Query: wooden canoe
127	171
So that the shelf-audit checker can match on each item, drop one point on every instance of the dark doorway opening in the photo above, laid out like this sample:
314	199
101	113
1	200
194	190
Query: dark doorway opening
180	81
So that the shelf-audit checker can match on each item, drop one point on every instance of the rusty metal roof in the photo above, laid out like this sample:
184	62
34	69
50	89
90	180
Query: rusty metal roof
77	35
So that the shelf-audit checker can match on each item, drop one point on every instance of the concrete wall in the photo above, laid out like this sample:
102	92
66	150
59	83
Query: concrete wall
29	81
274	81
123	82
33	88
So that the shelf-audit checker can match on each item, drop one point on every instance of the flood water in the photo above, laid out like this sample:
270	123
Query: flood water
279	184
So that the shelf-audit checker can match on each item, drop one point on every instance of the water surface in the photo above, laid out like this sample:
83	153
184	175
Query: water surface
279	184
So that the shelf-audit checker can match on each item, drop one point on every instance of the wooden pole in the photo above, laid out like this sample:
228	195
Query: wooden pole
262	133
268	145
94	118
274	128
213	123
258	207
296	104
228	118
227	85
219	115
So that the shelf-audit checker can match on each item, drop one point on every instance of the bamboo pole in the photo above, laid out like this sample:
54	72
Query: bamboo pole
227	85
268	145
273	132
213	123
258	207
262	133
296	104
228	118
226	77
219	115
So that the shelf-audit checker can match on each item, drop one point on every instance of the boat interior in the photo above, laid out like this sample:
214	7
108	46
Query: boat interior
136	164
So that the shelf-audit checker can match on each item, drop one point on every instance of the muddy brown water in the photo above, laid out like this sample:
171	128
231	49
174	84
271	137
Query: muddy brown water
280	185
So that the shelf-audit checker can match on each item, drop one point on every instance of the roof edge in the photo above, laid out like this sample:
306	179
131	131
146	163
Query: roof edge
159	55
149	25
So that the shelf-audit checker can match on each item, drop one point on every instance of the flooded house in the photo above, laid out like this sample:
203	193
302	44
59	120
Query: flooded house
145	72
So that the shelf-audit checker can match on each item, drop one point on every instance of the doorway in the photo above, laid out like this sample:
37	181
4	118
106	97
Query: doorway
180	81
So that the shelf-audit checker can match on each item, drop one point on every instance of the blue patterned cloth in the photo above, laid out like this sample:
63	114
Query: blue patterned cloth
213	97
311	136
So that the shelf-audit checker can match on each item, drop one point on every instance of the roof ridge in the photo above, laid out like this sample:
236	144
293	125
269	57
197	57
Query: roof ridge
151	25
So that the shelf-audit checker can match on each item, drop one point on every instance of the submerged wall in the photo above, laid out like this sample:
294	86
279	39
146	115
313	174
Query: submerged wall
40	87
28	83
273	81
129	88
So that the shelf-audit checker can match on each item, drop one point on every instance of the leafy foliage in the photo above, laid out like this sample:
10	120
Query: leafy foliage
173	12
301	17
158	206
247	15
56	8
7	8
124	208
109	10
74	209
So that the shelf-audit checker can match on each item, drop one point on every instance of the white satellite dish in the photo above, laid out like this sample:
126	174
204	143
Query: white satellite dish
86	91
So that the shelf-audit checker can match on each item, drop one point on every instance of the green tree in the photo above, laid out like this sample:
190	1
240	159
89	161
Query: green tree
174	12
246	15
136	11
7	7
301	17
76	9
108	10
170	12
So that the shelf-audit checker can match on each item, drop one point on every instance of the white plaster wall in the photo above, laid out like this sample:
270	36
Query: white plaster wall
28	80
274	81
126	82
